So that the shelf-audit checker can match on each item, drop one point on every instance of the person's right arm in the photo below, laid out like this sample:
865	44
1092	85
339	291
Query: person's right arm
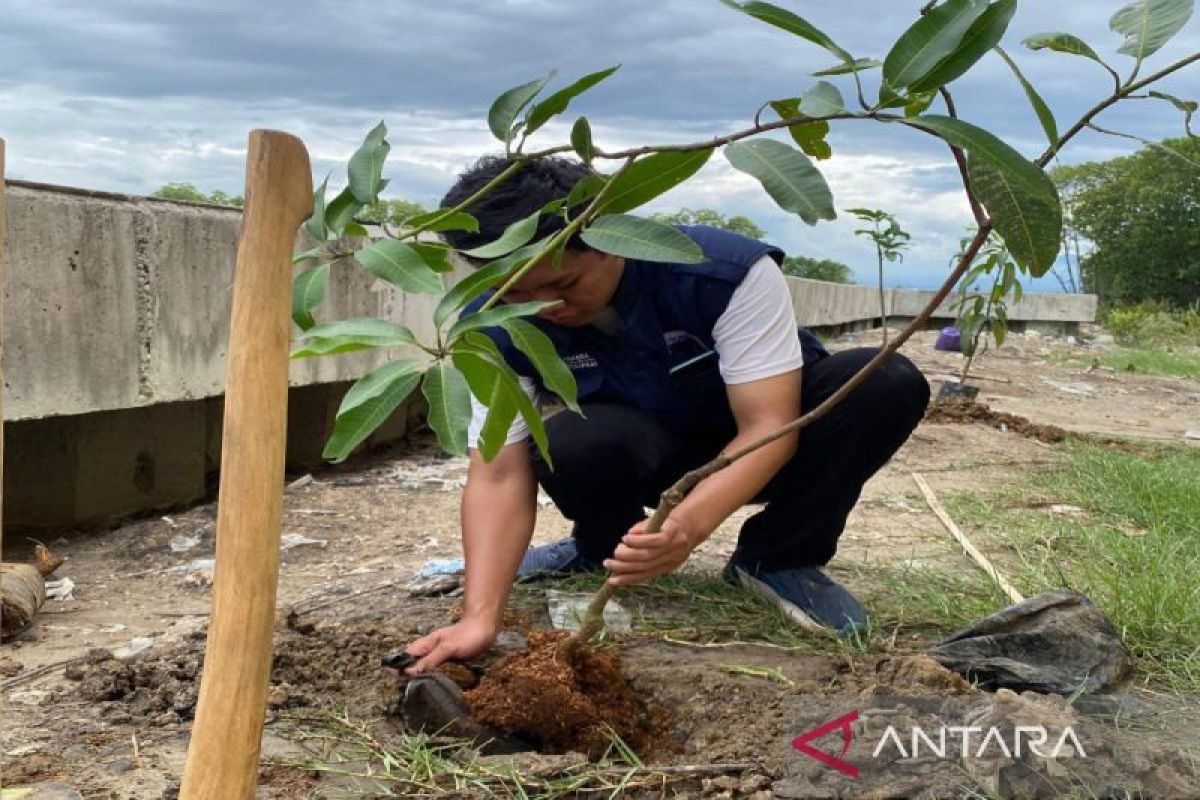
499	508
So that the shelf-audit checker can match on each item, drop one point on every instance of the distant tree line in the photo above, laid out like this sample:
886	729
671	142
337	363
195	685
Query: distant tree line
1138	218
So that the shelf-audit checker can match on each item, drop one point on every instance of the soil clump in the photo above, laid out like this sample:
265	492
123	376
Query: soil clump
968	411
567	699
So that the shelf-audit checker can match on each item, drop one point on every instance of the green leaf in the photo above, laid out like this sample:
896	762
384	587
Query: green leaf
507	106
308	290
537	347
368	403
648	177
356	230
496	315
401	265
1188	107
787	175
643	239
358	333
1044	114
846	68
1018	195
585	189
782	18
515	235
929	41
823	100
808	136
315	225
449	401
482	377
558	102
1062	43
341	210
478	354
1029	222
435	256
918	102
1149	24
983	34
366	166
446	220
305	255
471	287
581	140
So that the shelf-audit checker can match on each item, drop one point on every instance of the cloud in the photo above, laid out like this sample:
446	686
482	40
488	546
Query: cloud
130	94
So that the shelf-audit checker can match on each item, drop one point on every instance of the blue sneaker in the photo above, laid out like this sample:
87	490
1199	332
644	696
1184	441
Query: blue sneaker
554	558
805	595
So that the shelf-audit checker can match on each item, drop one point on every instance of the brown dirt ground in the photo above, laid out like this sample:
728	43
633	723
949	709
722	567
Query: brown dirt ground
119	729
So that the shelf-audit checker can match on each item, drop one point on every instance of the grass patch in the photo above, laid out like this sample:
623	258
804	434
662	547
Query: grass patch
1135	549
364	759
690	607
1174	363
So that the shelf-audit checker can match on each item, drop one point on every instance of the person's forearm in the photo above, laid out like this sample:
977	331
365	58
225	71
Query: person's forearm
497	523
722	493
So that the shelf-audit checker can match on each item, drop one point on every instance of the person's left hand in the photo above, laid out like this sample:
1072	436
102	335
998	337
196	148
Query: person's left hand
641	556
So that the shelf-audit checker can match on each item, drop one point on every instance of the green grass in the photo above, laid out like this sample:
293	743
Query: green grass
1135	550
1184	363
364	759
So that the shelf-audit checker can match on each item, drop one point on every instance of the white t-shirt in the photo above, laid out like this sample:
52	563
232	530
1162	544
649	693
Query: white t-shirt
754	338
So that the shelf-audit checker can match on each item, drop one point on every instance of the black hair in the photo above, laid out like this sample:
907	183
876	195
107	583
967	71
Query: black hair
535	184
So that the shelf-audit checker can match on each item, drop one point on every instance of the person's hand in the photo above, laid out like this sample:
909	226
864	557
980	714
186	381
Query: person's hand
463	639
641	556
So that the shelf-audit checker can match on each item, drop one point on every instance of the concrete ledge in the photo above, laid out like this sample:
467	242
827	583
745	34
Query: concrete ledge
837	307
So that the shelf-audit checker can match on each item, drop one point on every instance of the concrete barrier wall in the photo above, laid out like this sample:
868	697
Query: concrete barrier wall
832	305
115	340
121	302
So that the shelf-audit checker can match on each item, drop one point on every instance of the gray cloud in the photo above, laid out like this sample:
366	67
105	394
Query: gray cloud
130	94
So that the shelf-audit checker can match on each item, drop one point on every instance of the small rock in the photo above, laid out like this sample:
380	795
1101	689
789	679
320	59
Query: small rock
78	753
96	655
753	783
121	765
47	791
9	668
181	543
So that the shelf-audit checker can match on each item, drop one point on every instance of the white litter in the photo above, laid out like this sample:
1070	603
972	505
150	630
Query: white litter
567	610
31	697
61	589
1064	508
138	645
183	542
290	540
300	482
1082	389
23	750
1191	434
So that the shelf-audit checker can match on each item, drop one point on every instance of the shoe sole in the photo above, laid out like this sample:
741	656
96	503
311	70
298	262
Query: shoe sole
789	609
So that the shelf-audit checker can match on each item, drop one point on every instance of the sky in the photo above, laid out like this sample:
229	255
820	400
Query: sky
127	95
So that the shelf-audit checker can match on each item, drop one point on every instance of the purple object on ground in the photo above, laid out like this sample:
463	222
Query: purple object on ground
950	340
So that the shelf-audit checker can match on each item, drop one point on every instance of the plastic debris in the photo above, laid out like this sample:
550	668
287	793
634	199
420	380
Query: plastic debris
949	340
1081	389
1195	435
61	589
1053	643
567	610
181	543
290	540
437	577
137	646
29	697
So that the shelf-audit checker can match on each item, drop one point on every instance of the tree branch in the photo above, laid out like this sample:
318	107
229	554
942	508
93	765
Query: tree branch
960	159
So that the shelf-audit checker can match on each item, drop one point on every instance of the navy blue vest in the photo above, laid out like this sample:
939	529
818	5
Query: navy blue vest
659	357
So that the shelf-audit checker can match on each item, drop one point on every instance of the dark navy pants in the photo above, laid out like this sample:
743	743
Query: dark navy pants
614	461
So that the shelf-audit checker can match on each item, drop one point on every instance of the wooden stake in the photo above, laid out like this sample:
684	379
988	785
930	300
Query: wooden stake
962	539
223	755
